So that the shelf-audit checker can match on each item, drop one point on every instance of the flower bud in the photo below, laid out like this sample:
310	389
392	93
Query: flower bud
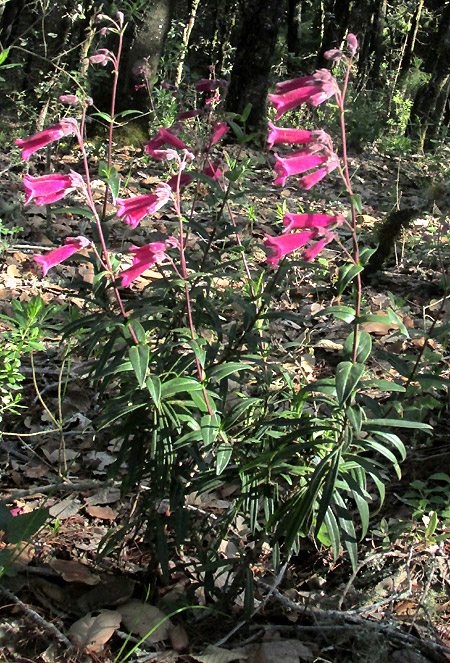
352	43
333	54
120	17
69	99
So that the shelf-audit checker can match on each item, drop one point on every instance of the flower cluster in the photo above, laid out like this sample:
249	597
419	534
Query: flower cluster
164	145
316	158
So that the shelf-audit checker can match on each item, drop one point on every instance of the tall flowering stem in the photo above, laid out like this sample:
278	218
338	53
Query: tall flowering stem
184	273
318	157
340	98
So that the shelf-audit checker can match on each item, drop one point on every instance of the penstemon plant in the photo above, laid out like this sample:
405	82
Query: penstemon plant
186	375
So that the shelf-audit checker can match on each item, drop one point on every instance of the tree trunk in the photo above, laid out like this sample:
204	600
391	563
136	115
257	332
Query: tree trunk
249	81
378	46
186	36
294	22
337	17
144	53
429	104
406	59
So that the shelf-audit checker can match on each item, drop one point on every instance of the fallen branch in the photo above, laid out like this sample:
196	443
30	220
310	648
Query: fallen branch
33	617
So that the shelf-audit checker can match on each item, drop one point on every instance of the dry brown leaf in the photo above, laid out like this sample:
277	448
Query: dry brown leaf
73	571
103	512
179	639
103	496
288	651
141	618
91	633
214	654
65	509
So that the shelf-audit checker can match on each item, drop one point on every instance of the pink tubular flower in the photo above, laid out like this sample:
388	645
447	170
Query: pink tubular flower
312	251
144	257
280	135
311	221
101	56
312	89
185	180
308	181
73	244
48	188
352	43
69	99
281	246
163	137
43	138
334	54
297	162
208	85
187	115
219	130
213	171
134	209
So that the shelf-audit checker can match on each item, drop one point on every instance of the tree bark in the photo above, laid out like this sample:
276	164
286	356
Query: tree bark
249	81
294	22
143	49
429	104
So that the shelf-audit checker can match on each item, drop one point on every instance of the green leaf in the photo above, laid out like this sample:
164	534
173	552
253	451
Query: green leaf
103	116
209	426
376	424
223	370
363	348
354	414
224	453
346	274
346	524
25	525
333	532
3	55
178	386
139	357
431	525
328	490
365	255
238	132
356	201
382	385
341	312
246	112
427	380
347	378
80	211
153	384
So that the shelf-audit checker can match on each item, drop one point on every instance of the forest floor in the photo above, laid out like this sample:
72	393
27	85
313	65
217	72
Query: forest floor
394	607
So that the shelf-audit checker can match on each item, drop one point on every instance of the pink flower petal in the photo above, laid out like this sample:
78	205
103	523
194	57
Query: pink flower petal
48	188
219	130
43	138
144	257
312	251
281	246
312	221
73	244
134	209
297	162
280	135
